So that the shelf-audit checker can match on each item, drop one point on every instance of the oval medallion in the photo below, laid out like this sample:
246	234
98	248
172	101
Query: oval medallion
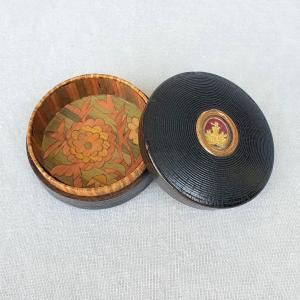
217	132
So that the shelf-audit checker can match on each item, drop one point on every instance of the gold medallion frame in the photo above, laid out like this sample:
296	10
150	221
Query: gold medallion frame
204	116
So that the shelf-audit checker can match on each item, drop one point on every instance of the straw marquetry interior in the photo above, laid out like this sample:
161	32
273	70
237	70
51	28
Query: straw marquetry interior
56	99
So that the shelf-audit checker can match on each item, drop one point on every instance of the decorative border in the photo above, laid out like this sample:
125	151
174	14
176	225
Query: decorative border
201	137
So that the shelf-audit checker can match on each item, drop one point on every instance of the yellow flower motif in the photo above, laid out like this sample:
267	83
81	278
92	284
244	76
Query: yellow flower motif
89	142
215	136
133	125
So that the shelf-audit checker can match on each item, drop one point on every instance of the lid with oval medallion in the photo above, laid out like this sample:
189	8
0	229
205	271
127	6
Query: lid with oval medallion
206	140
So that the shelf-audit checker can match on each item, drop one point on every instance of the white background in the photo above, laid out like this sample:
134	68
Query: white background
152	247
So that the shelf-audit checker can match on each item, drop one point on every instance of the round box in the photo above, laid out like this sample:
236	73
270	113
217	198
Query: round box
91	138
82	141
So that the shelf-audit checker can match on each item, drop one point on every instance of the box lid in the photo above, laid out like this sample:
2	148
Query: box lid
206	140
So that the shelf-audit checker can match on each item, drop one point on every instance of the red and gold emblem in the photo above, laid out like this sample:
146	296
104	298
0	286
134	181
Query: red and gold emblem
217	132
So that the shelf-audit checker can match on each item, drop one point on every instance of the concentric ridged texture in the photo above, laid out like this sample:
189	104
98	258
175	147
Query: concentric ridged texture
169	138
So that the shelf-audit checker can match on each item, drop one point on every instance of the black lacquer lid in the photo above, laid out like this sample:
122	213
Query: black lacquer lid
207	140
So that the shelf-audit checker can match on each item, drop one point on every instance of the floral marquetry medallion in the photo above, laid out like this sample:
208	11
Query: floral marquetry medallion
217	132
93	141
